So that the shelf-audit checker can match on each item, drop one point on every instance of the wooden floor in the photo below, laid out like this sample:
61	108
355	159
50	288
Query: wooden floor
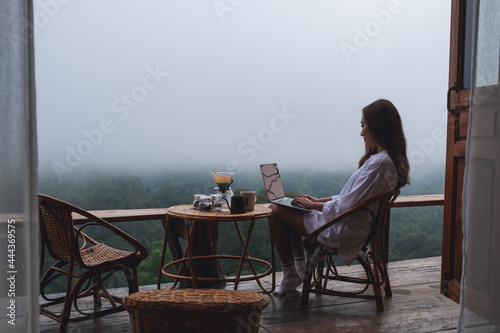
416	306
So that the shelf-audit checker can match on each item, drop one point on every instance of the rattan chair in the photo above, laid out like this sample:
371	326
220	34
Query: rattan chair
324	277
87	262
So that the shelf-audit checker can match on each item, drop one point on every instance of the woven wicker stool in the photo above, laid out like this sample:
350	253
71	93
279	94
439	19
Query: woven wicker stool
195	310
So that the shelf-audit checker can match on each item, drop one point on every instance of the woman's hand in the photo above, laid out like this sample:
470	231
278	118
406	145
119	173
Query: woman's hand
307	196
303	201
309	202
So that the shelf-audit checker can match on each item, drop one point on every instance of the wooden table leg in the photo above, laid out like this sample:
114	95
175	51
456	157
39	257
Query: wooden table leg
171	236
246	255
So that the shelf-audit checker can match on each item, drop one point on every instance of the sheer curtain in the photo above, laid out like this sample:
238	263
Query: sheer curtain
480	294
18	171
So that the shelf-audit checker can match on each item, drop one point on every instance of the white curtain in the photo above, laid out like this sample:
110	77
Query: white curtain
480	292
18	170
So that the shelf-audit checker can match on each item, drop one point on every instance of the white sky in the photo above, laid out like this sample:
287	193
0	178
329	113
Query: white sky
230	84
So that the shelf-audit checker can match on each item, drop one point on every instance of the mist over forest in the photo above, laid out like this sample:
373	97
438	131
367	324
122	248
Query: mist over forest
169	186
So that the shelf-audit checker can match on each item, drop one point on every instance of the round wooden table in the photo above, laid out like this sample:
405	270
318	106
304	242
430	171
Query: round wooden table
191	218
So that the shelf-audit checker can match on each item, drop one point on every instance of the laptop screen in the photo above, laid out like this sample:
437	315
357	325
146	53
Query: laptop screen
272	181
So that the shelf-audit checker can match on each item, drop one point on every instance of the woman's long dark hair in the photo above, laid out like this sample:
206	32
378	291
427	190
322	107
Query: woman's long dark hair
384	122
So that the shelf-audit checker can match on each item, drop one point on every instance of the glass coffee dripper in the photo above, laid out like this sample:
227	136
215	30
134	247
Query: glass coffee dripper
223	181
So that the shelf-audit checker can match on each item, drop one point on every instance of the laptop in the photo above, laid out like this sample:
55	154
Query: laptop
274	187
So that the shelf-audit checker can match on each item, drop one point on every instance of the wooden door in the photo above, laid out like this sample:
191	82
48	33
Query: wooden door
458	122
483	169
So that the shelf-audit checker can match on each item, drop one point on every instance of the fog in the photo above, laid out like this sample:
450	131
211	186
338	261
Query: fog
230	84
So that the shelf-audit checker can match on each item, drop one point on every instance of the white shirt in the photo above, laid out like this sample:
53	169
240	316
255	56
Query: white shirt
376	176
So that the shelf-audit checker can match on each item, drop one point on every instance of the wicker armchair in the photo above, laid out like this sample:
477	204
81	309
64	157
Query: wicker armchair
324	277
87	262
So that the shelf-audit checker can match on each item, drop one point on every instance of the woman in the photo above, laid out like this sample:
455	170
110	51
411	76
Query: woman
383	167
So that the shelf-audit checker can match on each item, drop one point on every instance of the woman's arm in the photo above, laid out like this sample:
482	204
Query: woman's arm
313	199
310	202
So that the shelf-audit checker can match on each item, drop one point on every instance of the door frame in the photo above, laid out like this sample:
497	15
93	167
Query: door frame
458	98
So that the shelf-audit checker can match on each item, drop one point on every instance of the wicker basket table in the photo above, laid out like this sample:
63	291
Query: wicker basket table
195	310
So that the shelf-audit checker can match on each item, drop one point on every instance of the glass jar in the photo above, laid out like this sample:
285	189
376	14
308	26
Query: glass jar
205	203
217	201
196	199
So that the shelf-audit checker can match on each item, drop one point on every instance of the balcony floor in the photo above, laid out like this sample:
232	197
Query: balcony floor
416	306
